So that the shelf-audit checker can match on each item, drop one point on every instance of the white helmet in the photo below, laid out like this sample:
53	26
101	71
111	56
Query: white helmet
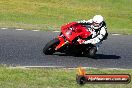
97	21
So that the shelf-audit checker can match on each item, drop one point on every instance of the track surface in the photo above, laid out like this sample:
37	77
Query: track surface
24	48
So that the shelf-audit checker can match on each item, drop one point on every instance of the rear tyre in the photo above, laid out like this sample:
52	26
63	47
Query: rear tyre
92	52
49	48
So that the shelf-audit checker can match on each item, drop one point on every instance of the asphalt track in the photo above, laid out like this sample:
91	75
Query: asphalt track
24	48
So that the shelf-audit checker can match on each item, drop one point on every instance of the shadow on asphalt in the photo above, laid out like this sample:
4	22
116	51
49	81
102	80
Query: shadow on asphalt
103	56
97	56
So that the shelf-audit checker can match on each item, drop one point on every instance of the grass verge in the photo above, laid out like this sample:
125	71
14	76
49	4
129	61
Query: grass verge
52	78
51	14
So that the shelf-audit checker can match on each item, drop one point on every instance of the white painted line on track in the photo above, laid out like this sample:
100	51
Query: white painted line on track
4	28
35	30
116	34
102	68
38	67
43	66
19	29
63	67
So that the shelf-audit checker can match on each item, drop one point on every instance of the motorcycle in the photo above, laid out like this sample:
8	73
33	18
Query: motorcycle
67	41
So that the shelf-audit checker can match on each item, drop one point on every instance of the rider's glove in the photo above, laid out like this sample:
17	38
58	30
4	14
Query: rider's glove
80	41
87	42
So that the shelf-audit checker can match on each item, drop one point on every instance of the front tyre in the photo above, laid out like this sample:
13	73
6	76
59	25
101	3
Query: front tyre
49	48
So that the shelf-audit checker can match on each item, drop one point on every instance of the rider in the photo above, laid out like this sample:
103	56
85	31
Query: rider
98	29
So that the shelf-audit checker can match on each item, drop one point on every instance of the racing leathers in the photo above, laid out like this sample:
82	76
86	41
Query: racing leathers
98	35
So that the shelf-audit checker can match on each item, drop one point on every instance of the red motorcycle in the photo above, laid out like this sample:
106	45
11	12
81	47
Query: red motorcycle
67	42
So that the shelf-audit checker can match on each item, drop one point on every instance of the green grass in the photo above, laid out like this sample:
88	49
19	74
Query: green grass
52	78
51	14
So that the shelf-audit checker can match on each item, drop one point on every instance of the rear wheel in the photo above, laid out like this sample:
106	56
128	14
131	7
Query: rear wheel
49	48
92	52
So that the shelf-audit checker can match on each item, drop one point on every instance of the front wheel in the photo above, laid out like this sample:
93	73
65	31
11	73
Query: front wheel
49	48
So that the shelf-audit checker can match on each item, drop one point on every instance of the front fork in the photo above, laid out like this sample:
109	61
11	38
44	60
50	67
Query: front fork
62	42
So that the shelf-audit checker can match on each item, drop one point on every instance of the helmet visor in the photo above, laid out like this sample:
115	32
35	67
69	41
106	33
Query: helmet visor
96	24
